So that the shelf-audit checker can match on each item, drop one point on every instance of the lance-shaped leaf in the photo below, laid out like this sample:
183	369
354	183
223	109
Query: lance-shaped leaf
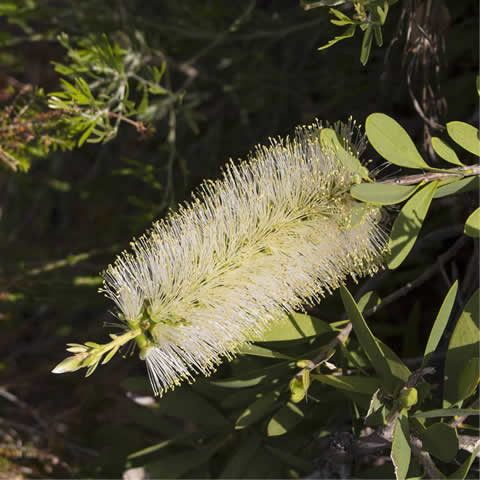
447	412
284	420
440	323
382	193
392	142
366	44
472	225
408	223
258	351
401	452
257	410
350	383
296	326
445	151
465	135
331	142
464	345
348	33
365	336
457	186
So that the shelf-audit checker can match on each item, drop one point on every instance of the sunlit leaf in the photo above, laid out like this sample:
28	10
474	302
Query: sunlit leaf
464	345
440	323
392	142
401	452
444	151
472	225
468	378
368	300
408	223
382	193
284	420
350	383
465	135
348	33
331	142
296	326
458	186
257	410
258	351
365	336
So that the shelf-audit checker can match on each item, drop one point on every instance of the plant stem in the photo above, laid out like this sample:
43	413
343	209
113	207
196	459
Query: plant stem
426	177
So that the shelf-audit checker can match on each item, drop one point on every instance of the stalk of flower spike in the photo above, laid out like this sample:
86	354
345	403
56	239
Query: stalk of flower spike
274	234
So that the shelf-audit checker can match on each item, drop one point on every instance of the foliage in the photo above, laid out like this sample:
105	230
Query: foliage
369	16
110	114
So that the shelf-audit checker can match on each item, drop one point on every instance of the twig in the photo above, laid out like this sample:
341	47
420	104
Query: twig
427	177
429	272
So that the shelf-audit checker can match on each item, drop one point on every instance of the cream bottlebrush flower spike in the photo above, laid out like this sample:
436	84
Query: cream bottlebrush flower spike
273	234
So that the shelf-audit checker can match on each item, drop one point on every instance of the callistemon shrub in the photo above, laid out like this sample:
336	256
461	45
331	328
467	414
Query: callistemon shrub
273	234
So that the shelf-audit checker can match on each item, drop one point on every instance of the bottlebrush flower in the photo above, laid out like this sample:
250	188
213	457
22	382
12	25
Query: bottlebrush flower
273	234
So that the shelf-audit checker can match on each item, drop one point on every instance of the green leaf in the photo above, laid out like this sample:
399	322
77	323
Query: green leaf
440	323
242	456
378	35
350	383
240	398
401	452
458	186
441	441
257	410
159	446
252	378
348	33
178	464
465	135
186	404
261	352
382	193
369	300
296	326
366	45
447	412
294	461
383	12
377	411
392	142
398	369
364	335
284	420
472	225
86	134
464	345
341	16
469	378
408	223
444	151
332	143
462	470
